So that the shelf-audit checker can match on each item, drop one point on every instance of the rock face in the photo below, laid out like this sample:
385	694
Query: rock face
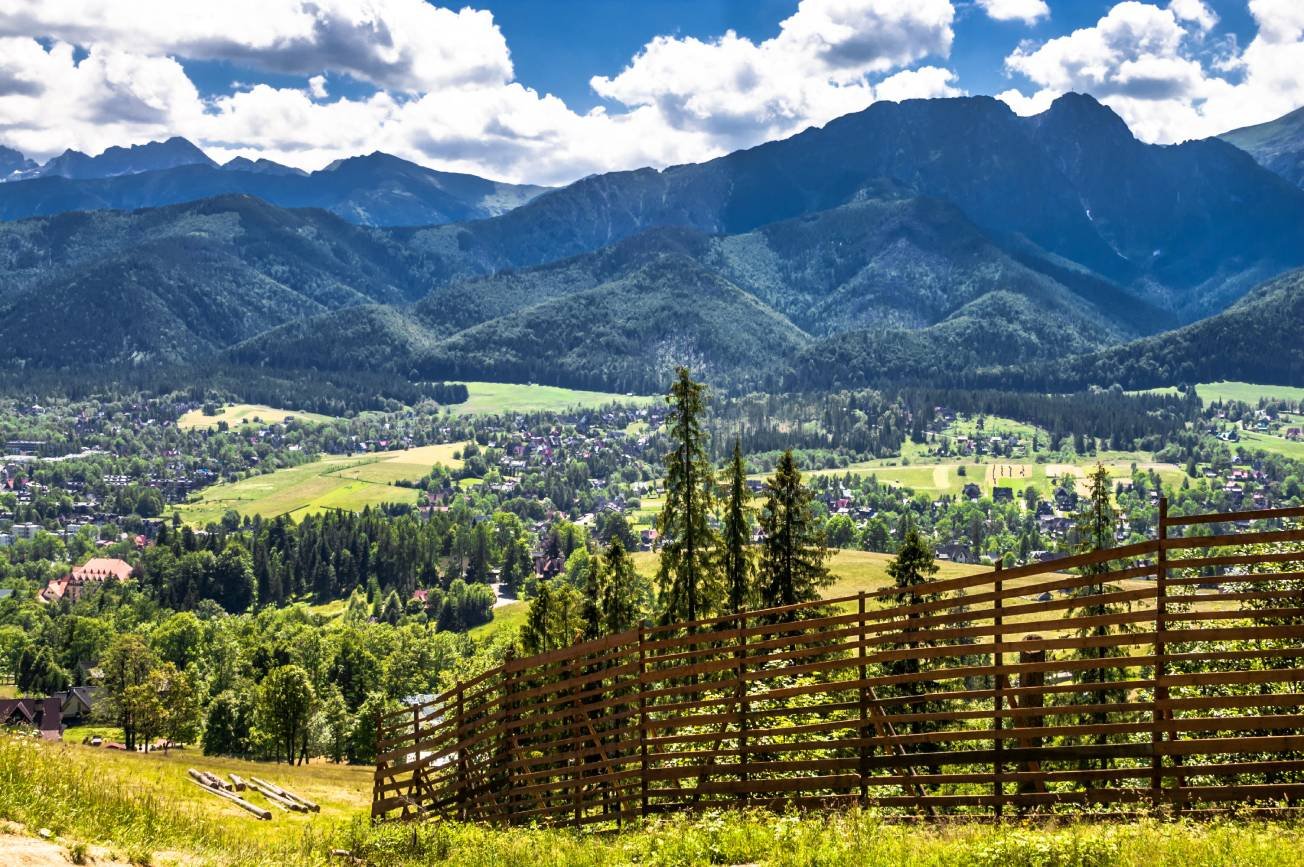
1277	145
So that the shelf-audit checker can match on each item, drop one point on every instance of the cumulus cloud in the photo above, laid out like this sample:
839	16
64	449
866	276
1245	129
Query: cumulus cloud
815	69
1150	63
1027	11
93	73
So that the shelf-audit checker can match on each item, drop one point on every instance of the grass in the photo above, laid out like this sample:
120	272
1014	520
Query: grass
1253	440
498	397
241	413
334	482
143	809
146	809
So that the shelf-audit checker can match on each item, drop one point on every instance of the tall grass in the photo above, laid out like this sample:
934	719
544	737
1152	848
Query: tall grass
86	796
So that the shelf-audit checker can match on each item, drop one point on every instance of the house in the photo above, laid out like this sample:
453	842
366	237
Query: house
75	704
92	573
43	714
1002	495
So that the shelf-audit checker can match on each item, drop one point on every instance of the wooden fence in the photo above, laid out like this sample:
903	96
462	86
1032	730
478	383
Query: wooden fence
1161	674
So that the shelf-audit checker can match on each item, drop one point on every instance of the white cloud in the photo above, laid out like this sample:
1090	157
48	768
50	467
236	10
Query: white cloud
1027	11
817	68
444	88
1149	63
403	45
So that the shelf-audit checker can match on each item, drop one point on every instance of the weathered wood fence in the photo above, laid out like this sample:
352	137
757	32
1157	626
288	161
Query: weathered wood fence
1165	673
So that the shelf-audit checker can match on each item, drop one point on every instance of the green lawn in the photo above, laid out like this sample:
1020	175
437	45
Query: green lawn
495	397
240	413
334	482
1245	392
1277	445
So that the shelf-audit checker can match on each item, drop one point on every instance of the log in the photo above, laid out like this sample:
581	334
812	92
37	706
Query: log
286	793
273	797
238	782
265	815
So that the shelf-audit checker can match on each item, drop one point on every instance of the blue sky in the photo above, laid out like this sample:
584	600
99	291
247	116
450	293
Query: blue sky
550	90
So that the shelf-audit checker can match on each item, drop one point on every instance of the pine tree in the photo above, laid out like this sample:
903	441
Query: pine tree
622	589
1095	525
737	555
793	557
910	572
686	577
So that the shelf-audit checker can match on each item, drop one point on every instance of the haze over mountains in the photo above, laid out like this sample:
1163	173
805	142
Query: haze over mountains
907	242
373	190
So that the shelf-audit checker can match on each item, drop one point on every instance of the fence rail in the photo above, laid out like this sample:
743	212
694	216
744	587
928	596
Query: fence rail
1168	673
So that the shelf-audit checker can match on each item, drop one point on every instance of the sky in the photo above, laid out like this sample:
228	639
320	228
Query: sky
547	91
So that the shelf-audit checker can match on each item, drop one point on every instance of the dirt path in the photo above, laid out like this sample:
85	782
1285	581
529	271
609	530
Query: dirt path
16	851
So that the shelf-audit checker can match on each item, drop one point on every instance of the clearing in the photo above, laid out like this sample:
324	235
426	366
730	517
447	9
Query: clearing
342	482
241	413
496	397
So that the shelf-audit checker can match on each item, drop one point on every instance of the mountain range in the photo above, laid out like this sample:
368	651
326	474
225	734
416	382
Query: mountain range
910	242
373	190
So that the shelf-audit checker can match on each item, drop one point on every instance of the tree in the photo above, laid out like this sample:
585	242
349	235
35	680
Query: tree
688	543
910	572
737	554
227	724
233	578
623	589
285	704
793	557
179	701
126	664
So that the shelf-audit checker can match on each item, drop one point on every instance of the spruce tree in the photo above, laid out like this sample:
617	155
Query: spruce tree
737	554
793	557
622	589
910	572
687	581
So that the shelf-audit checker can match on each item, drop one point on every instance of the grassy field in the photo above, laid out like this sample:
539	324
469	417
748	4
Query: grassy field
1253	440
494	397
147	811
1245	392
143	810
240	413
334	482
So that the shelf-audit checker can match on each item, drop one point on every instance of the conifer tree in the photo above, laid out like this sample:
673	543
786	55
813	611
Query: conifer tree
793	557
622	589
910	572
688	584
737	554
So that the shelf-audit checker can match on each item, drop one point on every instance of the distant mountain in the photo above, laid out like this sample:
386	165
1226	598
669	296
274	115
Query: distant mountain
260	166
1255	340
1277	145
11	162
1187	228
180	283
133	160
374	190
874	267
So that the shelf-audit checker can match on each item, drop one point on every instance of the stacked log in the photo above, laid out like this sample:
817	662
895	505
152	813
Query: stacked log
238	782
288	795
274	797
198	778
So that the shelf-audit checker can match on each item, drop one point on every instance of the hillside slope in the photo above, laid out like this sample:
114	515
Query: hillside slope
1277	145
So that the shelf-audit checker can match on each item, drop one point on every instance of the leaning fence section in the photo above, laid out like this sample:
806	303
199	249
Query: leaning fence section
1168	673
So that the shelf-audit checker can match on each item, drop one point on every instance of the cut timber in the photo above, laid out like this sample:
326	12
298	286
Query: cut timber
287	794
265	815
238	782
204	778
282	802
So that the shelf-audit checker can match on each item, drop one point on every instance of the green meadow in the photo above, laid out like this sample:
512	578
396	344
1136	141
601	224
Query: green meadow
497	397
334	482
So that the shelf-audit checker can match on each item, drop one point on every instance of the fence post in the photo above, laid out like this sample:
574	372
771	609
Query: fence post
864	705
998	693
1160	691
506	731
1031	700
380	765
742	703
461	755
642	721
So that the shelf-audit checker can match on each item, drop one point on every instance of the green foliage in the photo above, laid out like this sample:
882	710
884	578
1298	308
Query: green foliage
793	561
